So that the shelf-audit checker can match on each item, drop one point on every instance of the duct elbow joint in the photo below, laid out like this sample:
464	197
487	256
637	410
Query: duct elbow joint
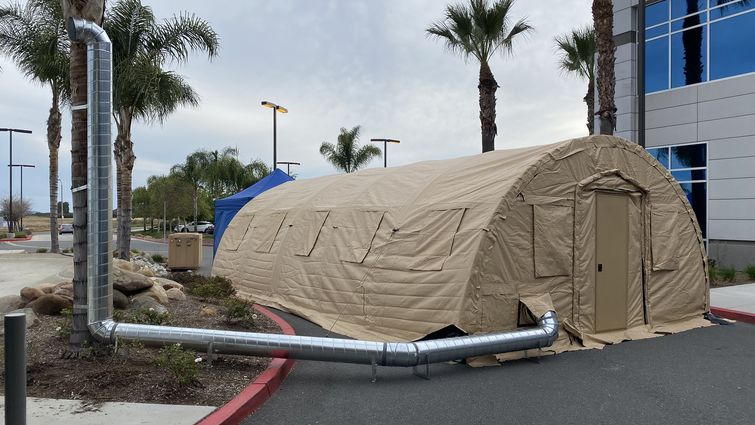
103	330
548	322
83	31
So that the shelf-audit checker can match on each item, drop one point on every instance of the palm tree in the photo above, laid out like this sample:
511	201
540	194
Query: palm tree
194	171
92	10
346	154
34	37
480	29
602	13
578	56
142	89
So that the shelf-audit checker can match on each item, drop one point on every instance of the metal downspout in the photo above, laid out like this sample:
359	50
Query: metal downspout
100	265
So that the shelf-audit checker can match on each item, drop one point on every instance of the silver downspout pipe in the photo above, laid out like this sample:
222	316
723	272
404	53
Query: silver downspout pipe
100	265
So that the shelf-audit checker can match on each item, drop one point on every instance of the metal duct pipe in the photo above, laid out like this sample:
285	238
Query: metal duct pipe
100	264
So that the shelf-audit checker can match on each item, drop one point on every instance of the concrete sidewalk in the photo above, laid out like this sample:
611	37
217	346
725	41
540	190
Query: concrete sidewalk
739	297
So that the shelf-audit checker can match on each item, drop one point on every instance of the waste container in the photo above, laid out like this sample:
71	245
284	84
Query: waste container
184	251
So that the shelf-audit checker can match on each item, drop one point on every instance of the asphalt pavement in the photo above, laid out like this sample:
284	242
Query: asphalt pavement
702	376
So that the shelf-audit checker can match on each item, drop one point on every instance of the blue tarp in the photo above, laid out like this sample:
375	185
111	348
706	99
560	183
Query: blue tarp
226	208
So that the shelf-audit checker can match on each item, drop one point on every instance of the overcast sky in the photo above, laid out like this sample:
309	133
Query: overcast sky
333	64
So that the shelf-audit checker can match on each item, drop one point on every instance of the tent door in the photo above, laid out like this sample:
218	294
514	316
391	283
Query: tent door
612	257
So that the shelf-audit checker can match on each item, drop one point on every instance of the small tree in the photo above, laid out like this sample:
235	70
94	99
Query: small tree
577	55
21	208
346	154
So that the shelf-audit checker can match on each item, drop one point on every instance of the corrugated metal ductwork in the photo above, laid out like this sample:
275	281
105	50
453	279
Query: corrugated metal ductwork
100	263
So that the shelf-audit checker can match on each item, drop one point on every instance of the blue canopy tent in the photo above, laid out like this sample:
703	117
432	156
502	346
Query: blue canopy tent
226	208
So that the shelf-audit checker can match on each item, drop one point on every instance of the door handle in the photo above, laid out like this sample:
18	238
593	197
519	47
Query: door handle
600	267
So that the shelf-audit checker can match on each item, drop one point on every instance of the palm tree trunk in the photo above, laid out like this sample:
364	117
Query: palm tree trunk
487	87
53	144
80	332
124	161
590	101
602	12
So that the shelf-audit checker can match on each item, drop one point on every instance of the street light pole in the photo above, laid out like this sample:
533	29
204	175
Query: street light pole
10	172
288	165
385	148
22	166
276	109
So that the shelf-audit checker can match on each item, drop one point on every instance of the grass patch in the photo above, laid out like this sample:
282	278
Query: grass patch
205	287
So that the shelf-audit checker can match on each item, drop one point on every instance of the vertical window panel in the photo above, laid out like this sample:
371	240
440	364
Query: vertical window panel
688	57
697	197
656	13
656	65
681	8
661	154
732	46
688	156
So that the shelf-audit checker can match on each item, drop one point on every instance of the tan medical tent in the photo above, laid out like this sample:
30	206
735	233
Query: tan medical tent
594	227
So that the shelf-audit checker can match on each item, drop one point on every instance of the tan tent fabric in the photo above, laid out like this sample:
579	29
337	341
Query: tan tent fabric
395	254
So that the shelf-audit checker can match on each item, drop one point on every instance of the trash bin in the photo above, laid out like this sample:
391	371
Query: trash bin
184	251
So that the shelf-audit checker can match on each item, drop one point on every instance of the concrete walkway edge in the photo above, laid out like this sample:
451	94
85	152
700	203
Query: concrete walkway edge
740	316
259	391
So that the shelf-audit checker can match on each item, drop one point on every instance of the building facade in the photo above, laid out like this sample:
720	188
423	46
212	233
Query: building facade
699	85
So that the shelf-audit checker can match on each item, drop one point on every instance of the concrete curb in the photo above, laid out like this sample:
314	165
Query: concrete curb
259	391
28	238
741	316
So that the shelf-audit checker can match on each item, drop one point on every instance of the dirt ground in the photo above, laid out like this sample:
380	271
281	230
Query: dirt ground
130	374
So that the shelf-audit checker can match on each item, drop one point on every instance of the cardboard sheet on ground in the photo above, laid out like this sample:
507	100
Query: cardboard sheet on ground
594	228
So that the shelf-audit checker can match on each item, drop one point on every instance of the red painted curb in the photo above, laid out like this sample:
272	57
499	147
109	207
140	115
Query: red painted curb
259	391
740	316
28	238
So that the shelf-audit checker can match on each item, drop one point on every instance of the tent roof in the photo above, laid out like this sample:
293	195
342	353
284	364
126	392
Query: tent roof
273	179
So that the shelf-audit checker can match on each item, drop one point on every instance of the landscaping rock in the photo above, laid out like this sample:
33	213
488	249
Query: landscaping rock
50	304
30	294
144	262
158	293
145	302
129	282
147	272
167	283
64	289
208	312
175	294
9	303
123	264
120	301
47	288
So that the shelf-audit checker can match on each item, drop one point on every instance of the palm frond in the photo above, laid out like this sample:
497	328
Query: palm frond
577	51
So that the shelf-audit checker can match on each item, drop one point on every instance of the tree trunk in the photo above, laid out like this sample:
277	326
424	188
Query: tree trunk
487	87
80	332
124	161
590	101
602	12
195	209
53	144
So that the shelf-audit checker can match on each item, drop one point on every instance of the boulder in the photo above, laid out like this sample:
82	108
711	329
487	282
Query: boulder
31	319
158	293
47	288
30	294
50	304
175	294
145	302
123	264
147	272
167	283
64	289
120	301
9	303
129	282
208	312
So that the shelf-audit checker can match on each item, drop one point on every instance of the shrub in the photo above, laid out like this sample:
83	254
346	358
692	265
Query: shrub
66	325
20	234
41	250
179	362
239	311
750	271
157	258
203	286
147	316
726	274
67	250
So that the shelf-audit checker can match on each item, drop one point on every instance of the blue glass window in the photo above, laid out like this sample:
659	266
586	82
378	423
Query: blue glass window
656	31
732	46
697	197
689	156
689	175
656	13
685	7
656	65
730	8
688	57
661	154
689	21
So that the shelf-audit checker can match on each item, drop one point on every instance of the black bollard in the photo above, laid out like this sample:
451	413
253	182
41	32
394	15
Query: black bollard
15	369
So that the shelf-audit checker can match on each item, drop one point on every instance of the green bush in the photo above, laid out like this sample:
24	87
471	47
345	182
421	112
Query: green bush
157	258
41	250
203	286
750	271
239	311
66	325
726	274
147	316
179	362
67	251
20	234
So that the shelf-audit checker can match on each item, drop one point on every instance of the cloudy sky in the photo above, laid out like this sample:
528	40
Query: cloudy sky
333	64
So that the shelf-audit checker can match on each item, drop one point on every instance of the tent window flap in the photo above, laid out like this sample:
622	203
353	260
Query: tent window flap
263	229
306	230
353	232
664	223
552	245
232	240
